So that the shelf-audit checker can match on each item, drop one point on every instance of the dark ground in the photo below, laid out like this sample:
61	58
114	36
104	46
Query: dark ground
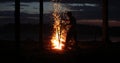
30	53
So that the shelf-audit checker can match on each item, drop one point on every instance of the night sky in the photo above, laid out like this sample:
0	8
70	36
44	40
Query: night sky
82	9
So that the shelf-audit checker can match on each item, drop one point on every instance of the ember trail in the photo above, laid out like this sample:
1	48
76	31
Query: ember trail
59	31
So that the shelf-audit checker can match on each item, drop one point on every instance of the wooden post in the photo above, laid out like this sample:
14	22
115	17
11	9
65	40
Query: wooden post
105	22
17	27
41	25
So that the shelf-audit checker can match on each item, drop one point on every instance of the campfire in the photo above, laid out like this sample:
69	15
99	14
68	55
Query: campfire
59	34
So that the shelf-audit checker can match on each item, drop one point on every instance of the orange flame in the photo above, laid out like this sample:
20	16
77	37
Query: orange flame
59	32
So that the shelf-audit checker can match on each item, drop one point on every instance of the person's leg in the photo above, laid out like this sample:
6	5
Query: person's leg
75	39
67	41
68	38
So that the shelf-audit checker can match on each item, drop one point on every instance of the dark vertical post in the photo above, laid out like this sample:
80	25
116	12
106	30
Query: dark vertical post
17	26
105	22
41	25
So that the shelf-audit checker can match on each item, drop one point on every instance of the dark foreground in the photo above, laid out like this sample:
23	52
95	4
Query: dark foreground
30	52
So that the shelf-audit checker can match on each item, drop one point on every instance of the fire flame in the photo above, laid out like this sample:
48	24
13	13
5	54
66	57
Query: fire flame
59	32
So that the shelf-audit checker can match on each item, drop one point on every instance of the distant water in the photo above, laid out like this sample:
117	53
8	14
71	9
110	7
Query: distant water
23	36
35	37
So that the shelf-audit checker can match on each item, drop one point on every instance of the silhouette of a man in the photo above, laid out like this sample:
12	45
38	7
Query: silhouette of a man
71	34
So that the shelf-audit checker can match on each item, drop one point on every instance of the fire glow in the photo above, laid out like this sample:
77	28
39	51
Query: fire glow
59	32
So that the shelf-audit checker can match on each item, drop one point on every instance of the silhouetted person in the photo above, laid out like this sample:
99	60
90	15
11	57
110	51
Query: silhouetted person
71	34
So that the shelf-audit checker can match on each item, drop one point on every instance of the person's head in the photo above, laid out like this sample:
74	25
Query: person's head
68	13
